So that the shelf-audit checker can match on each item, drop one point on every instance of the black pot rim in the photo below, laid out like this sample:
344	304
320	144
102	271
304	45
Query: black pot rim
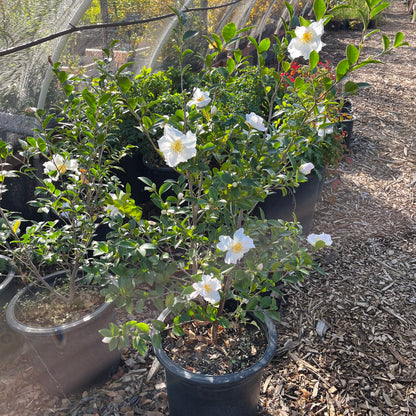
174	368
10	275
16	325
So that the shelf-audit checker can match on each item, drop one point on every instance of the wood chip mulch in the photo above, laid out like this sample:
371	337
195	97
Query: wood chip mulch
347	340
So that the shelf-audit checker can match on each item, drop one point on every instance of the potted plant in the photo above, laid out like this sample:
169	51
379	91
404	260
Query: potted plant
60	309
215	266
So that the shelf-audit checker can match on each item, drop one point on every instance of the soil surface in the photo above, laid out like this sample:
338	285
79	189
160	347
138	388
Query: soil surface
347	340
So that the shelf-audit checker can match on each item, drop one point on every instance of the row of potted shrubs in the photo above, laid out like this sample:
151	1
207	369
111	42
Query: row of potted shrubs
228	138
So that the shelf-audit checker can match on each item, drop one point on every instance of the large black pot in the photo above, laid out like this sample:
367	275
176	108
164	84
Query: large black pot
235	394
70	357
301	202
134	166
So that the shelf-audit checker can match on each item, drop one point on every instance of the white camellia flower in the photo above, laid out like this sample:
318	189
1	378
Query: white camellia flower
235	247
208	288
106	340
314	238
200	98
60	165
325	130
306	168
176	146
112	211
307	39
255	122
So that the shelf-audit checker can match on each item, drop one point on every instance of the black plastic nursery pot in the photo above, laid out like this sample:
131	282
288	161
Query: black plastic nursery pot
70	357
301	202
134	166
235	394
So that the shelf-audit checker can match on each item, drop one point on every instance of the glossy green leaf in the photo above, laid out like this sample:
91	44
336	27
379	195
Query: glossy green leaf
352	54
378	9
230	65
398	39
229	32
342	69
386	42
124	83
313	59
264	46
319	8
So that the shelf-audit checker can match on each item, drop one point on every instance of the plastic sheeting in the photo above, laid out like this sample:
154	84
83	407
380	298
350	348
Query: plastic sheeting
25	76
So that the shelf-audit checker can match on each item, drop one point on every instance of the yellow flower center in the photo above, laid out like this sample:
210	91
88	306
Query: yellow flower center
61	168
237	247
201	98
207	287
306	37
177	146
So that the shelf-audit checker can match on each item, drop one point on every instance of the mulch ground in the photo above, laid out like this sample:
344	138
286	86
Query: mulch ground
347	340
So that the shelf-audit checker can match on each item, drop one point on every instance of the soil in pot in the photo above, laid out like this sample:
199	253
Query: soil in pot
67	357
236	348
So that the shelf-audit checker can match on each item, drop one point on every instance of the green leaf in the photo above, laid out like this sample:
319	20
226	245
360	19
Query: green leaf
187	52
100	138
89	98
350	87
286	66
31	141
145	180
378	9
342	69
264	46
363	85
289	8
158	325
124	84
178	331
252	303
371	33
366	62
352	54
41	144
398	39
313	59
229	32
230	65
165	187
170	298
147	122
217	42
142	327
180	114
319	8
189	34
274	315
223	322
237	55
386	42
253	41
